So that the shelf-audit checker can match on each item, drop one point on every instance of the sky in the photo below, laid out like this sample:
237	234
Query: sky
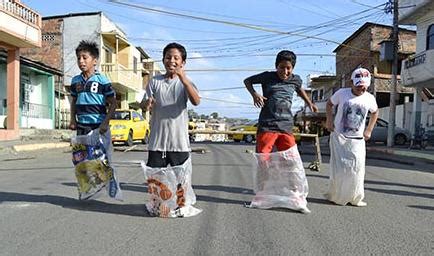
227	41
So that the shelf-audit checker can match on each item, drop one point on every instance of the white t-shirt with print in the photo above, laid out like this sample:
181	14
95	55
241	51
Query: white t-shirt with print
350	118
169	121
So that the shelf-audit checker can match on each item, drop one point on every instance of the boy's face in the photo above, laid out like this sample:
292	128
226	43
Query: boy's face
284	69
173	60
86	62
358	90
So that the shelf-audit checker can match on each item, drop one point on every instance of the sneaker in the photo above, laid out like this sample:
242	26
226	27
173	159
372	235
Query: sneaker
360	204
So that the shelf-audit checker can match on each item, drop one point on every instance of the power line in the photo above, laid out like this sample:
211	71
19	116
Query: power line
238	24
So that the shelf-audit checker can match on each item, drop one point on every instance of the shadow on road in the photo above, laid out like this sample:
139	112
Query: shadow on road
422	207
136	210
239	190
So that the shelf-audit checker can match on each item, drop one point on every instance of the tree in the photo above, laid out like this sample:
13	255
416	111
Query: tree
214	115
192	114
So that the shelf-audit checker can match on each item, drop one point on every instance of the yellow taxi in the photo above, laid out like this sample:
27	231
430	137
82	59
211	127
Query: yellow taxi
252	126
129	125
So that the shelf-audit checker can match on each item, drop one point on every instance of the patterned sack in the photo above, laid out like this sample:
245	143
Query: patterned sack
280	181
91	156
170	190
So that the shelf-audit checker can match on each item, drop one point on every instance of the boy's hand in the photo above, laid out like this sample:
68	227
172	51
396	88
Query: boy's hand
329	125
103	128
313	108
258	100
73	125
367	135
179	71
149	103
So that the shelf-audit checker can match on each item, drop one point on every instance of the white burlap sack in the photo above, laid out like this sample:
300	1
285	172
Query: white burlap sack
347	169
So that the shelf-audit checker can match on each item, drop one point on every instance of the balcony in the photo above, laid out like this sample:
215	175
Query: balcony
119	74
19	25
417	71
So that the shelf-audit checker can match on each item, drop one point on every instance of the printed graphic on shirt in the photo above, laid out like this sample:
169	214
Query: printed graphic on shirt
352	120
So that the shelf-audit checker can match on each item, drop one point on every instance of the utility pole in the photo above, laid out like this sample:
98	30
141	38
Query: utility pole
392	112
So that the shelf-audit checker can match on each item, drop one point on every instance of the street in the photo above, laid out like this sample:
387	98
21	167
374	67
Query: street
40	213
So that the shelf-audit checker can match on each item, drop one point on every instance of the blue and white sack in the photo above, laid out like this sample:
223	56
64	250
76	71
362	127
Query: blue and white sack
91	156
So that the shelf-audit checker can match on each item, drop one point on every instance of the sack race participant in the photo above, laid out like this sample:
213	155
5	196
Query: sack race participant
171	192
91	156
168	168
280	181
347	140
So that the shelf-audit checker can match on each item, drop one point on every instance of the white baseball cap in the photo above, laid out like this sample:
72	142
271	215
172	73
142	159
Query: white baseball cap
361	77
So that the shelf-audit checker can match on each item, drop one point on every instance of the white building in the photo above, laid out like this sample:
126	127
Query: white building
418	70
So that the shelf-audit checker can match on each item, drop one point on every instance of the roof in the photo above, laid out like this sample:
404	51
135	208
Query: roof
362	28
410	14
71	15
143	52
35	64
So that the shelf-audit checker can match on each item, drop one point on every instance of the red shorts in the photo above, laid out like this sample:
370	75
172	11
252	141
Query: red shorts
266	140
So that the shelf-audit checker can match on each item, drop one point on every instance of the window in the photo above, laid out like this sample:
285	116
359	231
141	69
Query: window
108	55
430	38
321	95
135	65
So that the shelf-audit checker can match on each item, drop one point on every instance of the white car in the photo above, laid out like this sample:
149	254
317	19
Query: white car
379	133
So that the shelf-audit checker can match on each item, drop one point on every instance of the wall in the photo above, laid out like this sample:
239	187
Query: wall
77	28
51	51
422	29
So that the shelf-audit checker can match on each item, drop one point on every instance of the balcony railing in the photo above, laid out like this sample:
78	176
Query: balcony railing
20	11
121	75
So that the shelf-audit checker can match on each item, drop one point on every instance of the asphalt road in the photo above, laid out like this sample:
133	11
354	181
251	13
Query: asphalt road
40	213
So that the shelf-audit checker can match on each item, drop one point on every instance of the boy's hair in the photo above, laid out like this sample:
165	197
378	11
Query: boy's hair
286	56
180	48
88	46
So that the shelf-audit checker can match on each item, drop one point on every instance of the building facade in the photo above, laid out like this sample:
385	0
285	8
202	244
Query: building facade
119	60
363	48
417	71
20	27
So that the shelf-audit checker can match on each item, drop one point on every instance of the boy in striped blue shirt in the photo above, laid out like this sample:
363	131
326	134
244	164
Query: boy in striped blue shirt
91	93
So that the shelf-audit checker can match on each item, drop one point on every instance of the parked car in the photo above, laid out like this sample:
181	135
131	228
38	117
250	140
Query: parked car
251	126
379	133
127	126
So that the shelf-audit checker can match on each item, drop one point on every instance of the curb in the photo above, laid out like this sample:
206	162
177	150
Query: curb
38	146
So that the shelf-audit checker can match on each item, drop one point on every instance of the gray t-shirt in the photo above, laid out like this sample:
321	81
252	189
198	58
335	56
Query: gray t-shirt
169	121
276	114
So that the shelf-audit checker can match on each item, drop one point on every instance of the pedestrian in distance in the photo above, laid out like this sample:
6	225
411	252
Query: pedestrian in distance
169	145
91	92
280	180
348	137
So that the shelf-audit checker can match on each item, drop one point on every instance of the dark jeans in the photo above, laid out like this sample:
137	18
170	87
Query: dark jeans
83	129
158	159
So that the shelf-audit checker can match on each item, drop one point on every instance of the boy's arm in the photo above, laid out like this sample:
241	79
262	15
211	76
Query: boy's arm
111	110
329	116
372	120
148	99
192	93
72	121
258	100
306	99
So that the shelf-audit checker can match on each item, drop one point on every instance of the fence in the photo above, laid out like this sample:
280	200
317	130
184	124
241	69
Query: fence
62	117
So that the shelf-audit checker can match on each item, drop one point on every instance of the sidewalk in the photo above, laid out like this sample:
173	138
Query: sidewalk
399	154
